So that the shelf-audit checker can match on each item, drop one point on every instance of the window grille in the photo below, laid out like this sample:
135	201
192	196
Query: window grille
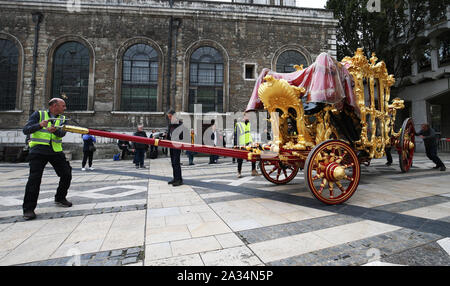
9	57
139	79
71	64
206	80
287	60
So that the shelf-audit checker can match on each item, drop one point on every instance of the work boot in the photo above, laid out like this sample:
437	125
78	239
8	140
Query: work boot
63	203
177	183
29	215
255	173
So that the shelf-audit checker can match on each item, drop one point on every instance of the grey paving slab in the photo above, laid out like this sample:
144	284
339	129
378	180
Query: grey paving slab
251	222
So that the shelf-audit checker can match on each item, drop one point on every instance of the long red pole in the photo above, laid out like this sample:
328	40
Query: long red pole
227	152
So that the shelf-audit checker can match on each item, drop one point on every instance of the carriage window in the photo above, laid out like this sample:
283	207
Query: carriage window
366	92
71	74
287	60
139	79
9	55
206	80
376	93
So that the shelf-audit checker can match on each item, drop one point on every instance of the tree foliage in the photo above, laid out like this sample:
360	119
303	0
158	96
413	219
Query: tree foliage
391	33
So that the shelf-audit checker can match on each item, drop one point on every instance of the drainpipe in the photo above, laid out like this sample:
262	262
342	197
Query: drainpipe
169	65
169	61
37	19
177	23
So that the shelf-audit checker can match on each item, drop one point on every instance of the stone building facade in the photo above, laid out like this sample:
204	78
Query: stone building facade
426	90
126	62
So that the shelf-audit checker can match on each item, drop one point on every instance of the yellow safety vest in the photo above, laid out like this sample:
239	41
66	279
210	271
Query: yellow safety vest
43	137
244	133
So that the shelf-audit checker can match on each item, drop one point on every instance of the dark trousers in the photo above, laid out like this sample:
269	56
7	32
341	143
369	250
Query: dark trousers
124	153
139	157
388	154
37	164
176	166
240	161
213	159
191	156
431	152
86	155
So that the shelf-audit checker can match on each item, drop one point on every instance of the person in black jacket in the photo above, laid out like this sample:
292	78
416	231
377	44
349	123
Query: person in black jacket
140	148
174	123
429	139
124	146
213	159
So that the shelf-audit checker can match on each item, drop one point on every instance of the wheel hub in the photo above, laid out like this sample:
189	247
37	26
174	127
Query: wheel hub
334	172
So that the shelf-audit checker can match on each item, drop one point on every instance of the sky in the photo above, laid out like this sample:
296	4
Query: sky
300	3
311	3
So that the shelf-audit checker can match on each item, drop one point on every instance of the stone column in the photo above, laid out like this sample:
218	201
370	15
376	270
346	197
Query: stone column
434	42
414	63
420	114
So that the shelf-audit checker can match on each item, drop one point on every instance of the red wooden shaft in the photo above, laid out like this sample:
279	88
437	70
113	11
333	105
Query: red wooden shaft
227	152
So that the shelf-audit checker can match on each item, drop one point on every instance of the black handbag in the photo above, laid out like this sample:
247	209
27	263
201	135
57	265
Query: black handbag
92	148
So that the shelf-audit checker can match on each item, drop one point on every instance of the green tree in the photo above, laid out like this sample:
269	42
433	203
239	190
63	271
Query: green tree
391	33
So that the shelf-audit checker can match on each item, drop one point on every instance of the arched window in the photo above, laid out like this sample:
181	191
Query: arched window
287	60
206	80
71	74
139	79
9	63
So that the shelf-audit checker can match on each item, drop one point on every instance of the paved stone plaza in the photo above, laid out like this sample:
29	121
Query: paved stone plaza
125	216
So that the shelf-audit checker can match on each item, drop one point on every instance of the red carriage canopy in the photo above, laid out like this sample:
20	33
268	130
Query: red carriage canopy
325	81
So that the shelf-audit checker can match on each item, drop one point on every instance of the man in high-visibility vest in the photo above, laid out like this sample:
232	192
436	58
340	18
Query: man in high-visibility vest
46	146
242	137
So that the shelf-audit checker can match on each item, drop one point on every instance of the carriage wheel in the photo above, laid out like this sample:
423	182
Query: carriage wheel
277	172
407	143
332	172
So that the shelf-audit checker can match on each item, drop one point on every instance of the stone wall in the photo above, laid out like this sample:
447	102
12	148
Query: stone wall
243	33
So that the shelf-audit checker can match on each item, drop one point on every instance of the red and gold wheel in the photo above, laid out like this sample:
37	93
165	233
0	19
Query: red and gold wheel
332	172
406	145
278	172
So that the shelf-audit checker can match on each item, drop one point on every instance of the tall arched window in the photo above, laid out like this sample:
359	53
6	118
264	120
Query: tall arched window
206	80
9	63
139	79
71	74
287	60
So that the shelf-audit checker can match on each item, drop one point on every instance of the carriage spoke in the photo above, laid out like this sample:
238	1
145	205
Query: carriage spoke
278	173
273	170
331	189
341	187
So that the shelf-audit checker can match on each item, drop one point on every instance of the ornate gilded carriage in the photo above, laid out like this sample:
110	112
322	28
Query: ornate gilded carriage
329	137
331	141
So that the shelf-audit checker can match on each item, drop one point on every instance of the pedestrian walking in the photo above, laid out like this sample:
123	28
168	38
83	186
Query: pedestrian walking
140	148
153	148
174	123
88	151
191	154
46	146
213	159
